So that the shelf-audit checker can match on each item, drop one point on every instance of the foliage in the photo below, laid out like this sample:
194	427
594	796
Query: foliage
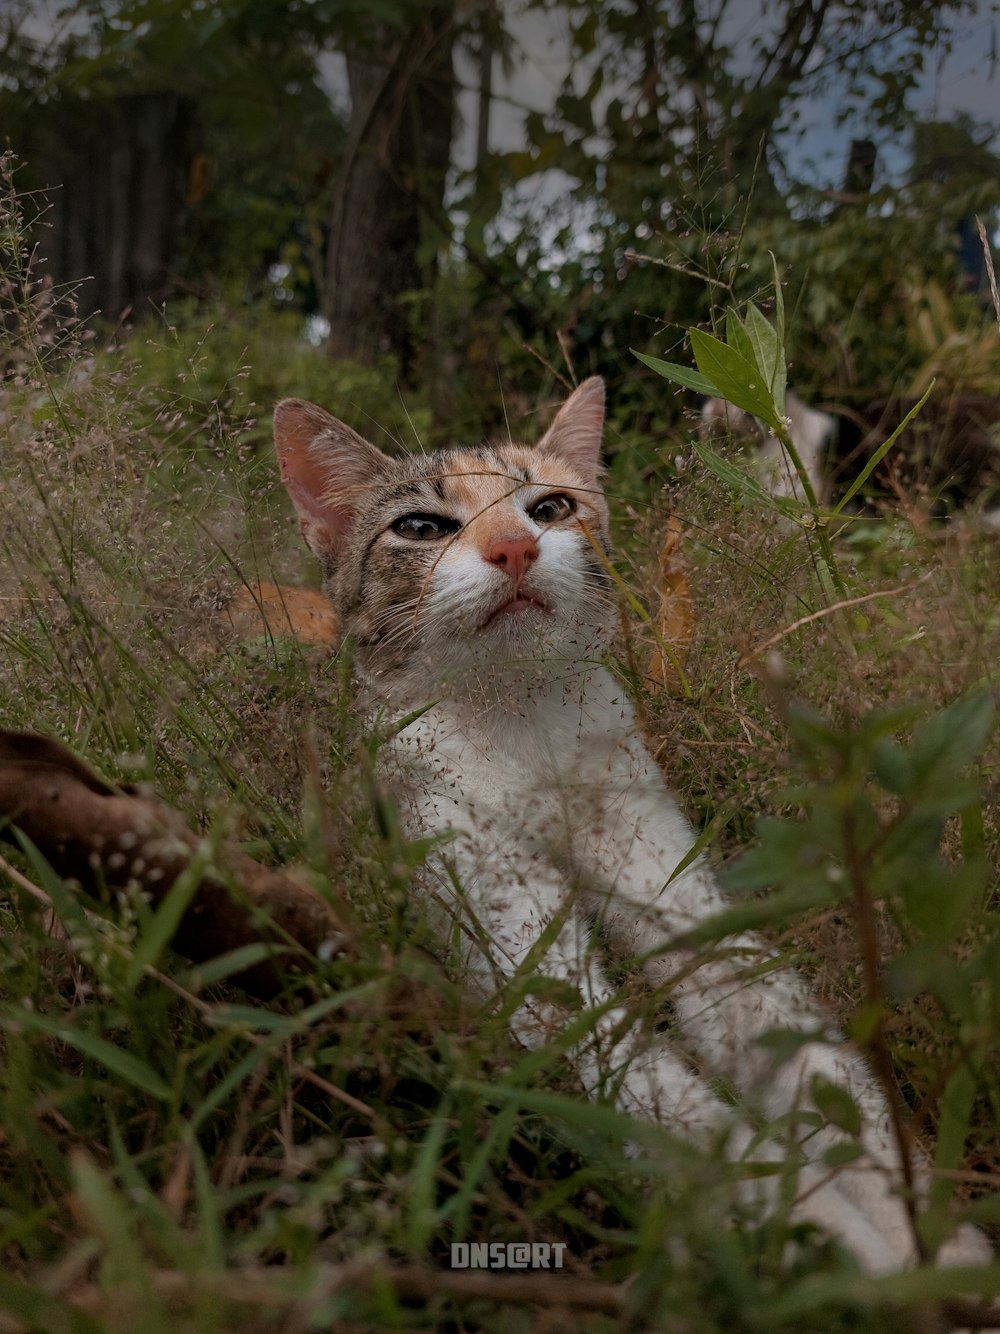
265	138
672	132
674	142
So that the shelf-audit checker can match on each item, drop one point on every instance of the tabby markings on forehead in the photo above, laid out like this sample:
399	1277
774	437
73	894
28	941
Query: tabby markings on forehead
409	490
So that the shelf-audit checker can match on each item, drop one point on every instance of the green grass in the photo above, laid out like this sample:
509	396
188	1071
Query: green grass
175	1156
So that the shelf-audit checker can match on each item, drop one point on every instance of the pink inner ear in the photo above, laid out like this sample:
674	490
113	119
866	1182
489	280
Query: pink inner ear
309	474
575	434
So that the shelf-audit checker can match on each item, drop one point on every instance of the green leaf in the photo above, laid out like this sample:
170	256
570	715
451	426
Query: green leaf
112	1218
779	303
68	908
747	485
836	1105
891	766
938	898
737	336
681	375
779	384
737	379
815	734
840	1155
119	1062
210	1230
234	961
880	453
768	352
249	1018
785	1043
952	739
159	927
956	1105
422	1220
37	1309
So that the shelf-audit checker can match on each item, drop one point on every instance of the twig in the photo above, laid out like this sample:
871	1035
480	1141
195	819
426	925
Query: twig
826	611
876	1044
262	1287
988	256
207	1012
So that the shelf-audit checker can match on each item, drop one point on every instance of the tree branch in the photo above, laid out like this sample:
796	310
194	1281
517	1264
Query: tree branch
103	836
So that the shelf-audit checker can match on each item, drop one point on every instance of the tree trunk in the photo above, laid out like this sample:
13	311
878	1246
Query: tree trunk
390	193
121	168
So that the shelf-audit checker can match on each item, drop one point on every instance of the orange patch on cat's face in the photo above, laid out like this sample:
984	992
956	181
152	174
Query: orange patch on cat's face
490	494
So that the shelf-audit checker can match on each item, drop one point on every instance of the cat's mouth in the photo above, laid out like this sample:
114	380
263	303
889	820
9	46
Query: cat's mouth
515	606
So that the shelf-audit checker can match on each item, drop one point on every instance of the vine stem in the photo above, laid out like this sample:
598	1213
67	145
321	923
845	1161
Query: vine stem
877	1044
827	557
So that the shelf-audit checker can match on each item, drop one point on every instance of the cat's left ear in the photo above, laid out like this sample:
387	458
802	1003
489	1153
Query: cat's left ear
327	468
575	433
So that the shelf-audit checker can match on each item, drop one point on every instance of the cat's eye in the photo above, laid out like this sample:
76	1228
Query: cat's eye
553	508
425	527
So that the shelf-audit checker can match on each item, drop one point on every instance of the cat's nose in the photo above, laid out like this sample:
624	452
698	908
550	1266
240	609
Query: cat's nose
513	554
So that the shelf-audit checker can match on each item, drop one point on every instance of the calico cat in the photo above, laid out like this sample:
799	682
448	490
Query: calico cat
476	581
947	459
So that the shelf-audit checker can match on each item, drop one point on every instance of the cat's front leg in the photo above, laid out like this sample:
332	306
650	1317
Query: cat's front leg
521	915
727	1001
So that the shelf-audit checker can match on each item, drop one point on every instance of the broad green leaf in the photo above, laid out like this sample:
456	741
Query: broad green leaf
938	898
953	1125
768	352
783	1044
737	336
840	1155
952	739
814	732
738	380
836	1105
681	375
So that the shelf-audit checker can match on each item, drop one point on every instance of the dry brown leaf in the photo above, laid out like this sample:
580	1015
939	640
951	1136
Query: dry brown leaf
675	622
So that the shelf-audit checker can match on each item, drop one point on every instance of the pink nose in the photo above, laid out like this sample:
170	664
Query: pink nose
513	554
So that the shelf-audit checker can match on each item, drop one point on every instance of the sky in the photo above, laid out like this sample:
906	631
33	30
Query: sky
967	80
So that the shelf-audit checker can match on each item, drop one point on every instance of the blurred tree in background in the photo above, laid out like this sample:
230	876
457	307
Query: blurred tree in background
199	151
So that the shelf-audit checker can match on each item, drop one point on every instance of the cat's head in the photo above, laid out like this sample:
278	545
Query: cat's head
461	558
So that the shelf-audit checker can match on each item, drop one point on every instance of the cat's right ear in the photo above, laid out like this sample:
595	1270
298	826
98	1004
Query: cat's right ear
326	467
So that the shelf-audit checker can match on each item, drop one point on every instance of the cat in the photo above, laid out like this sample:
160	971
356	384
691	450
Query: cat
947	458
474	585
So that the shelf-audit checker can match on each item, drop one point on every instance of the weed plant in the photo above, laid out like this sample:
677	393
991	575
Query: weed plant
175	1156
